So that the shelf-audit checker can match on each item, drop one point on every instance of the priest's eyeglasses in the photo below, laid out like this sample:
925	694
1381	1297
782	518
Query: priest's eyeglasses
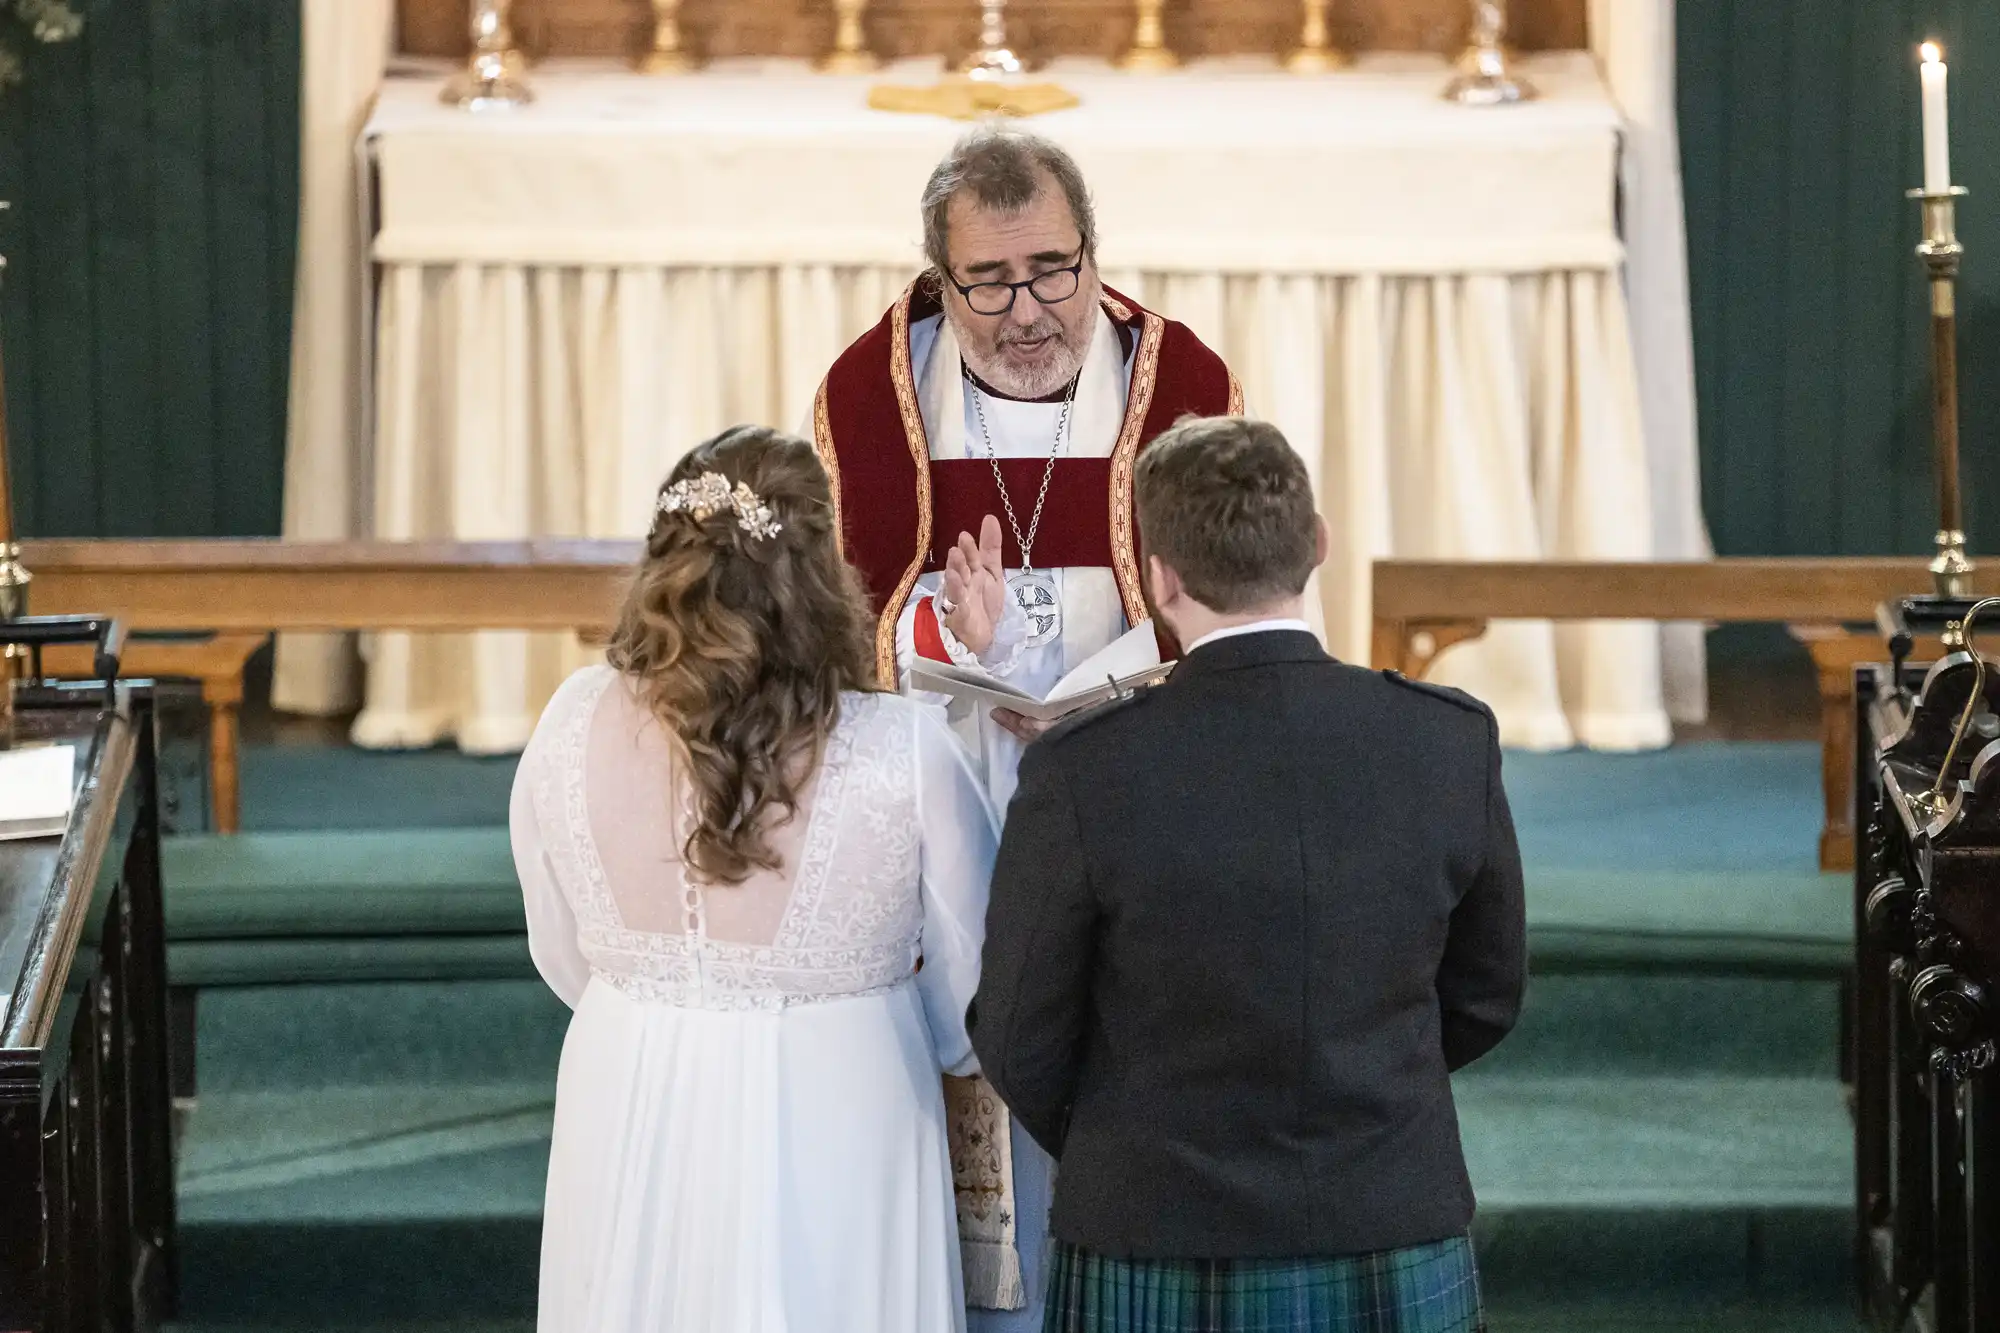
997	298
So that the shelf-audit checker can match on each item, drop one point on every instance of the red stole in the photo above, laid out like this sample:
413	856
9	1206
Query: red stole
1076	524
894	522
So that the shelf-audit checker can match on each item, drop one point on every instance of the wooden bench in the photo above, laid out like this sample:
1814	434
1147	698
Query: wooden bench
1423	607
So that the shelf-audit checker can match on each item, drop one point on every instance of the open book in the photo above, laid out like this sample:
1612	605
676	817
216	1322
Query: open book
37	785
1130	661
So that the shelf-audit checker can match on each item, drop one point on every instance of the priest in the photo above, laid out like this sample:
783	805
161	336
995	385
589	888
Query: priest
980	440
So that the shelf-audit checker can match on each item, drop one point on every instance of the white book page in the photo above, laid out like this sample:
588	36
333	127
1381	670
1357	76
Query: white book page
987	694
951	678
1131	659
1132	653
37	783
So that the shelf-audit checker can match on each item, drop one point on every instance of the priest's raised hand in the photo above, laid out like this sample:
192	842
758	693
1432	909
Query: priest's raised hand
975	586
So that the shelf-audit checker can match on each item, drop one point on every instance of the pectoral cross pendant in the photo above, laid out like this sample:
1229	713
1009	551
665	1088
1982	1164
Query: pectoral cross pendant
1035	593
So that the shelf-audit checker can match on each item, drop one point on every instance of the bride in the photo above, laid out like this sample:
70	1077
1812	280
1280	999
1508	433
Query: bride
735	853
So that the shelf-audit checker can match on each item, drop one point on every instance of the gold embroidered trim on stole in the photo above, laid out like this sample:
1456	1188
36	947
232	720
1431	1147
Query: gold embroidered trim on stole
905	380
1235	396
828	459
1124	553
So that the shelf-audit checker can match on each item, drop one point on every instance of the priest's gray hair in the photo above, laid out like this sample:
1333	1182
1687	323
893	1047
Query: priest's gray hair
1004	170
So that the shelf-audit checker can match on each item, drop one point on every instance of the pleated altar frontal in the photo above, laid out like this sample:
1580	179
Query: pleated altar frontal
1425	298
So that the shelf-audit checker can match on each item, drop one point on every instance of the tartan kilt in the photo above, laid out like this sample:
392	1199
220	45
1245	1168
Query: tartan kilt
1430	1288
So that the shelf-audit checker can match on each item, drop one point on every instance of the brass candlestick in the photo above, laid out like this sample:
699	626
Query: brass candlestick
994	59
492	79
666	55
850	54
1316	53
1951	569
14	576
1149	53
1484	78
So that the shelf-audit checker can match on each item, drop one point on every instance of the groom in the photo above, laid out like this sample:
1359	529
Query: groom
980	440
1229	999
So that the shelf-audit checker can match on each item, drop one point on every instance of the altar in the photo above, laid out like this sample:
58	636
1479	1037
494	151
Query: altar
1427	299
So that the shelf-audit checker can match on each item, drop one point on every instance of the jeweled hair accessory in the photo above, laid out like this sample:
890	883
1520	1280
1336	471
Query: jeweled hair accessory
709	494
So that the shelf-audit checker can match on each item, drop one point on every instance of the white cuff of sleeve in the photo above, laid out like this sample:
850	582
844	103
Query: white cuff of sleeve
1002	655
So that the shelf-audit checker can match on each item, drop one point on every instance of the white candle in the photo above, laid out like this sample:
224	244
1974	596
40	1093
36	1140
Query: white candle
1937	134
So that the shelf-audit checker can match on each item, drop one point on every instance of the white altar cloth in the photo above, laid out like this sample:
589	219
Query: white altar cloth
1426	299
1369	171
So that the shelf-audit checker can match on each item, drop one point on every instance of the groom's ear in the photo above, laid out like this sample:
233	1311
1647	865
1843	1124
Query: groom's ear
1162	583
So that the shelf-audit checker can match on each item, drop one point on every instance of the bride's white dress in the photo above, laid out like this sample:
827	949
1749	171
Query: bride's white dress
749	1130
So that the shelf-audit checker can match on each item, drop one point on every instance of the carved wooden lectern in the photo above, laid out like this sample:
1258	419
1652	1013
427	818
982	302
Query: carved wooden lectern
1927	986
86	1174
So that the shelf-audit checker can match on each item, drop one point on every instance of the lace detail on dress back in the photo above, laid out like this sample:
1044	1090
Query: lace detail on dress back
840	916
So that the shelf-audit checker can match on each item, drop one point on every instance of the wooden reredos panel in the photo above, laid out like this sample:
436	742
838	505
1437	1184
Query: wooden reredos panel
1038	28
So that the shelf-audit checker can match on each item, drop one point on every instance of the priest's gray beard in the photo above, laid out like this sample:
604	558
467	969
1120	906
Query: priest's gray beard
1064	361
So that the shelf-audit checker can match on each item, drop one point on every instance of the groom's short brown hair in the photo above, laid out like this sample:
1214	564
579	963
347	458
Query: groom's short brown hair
1226	502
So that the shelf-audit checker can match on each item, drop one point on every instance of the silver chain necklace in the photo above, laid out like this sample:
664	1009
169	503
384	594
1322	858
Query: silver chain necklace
1035	592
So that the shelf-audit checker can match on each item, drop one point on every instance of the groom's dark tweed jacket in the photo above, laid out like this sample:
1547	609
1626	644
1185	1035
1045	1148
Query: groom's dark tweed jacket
1242	928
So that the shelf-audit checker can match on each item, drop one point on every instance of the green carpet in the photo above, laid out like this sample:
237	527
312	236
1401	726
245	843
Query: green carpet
428	1140
1729	807
416	1153
1693	1142
319	786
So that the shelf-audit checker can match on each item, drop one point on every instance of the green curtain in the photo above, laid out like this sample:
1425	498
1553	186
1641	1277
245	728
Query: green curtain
152	168
1800	132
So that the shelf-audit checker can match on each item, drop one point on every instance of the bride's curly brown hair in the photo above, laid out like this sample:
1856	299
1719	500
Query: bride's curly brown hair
742	645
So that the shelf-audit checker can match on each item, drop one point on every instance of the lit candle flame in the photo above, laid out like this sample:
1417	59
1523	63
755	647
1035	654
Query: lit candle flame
1933	53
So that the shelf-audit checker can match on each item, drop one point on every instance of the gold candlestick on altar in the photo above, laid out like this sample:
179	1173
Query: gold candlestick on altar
1951	568
1484	78
14	577
1316	54
994	59
667	55
492	79
987	83
850	54
1149	53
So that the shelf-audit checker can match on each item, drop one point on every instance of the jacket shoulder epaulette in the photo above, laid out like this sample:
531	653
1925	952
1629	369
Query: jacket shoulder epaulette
1455	697
1096	713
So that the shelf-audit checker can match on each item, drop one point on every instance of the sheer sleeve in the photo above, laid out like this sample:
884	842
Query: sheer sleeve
552	940
960	837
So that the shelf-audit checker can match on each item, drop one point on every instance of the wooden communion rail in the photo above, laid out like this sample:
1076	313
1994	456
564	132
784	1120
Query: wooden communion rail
267	585
246	589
